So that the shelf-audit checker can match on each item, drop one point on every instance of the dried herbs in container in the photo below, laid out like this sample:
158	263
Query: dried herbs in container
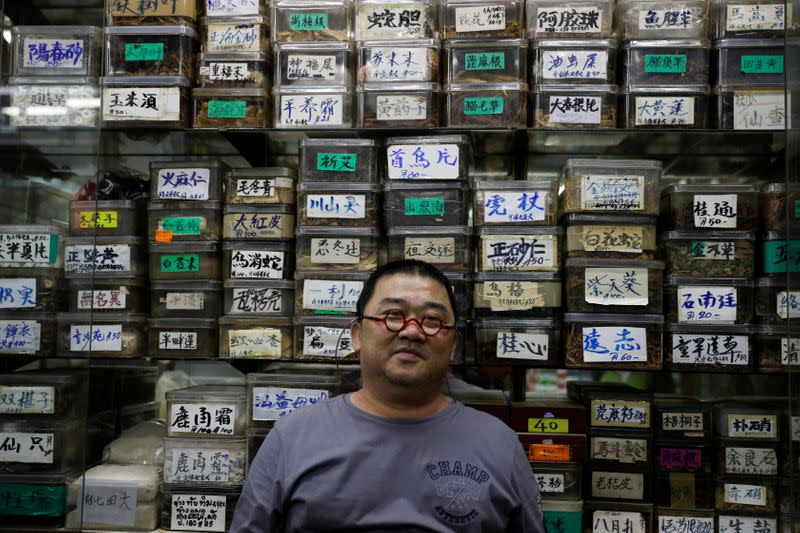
447	247
646	107
710	347
517	294
304	20
184	260
104	295
337	204
151	51
749	61
28	333
147	102
339	248
255	337
690	299
576	61
611	186
88	334
598	285
398	61
711	206
350	160
256	297
241	70
778	348
31	290
230	108
136	13
499	61
619	341
185	299
619	236
709	253
739	107
261	185
235	34
324	339
515	203
773	206
673	62
488	105
577	19
481	19
566	106
429	202
314	64
777	299
189	338
648	19
403	105
755	495
523	341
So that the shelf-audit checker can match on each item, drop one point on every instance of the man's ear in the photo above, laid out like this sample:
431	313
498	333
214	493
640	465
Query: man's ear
355	335
456	345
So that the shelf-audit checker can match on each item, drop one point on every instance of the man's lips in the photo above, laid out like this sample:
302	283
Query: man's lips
408	353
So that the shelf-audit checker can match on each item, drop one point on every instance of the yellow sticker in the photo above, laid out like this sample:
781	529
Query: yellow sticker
548	425
98	219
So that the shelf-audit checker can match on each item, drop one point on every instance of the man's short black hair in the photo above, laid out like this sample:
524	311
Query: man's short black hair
408	267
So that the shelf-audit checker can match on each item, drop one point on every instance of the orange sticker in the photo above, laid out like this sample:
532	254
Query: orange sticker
163	235
549	452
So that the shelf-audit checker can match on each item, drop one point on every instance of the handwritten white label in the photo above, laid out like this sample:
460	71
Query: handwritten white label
271	403
744	17
742	524
199	465
162	104
612	193
696	349
53	54
233	37
184	301
790	351
714	211
682	421
742	494
574	64
261	187
707	304
308	110
753	426
257	264
575	109
615	286
177	340
17	293
622	239
569	19
480	18
26	447
82	259
685	524
350	206
311	67
423	161
407	20
514	207
514	295
255	342
759	110
664	111
533	346
198	512
103	299
670	19
550	483
327	342
22	400
617	344
788	304
401	107
620	413
214	419
331	295
617	485
437	250
183	183
226	8
255	300
397	64
109	502
226	71
28	249
84	338
20	336
335	251
620	450
762	461
518	253
618	522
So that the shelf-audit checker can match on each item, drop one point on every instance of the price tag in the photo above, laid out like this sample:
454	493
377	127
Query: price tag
182	225
335	251
514	207
311	67
397	64
28	249
686	422
257	264
707	304
255	342
109	502
620	450
687	524
391	21
82	259
22	400
122	104
548	425
746	17
673	17
790	351
714	211
180	263
759	110
621	239
574	109
615	286
95	338
17	293
401	107
255	300
612	193
512	295
308	21
227	109
213	419
614	344
163	235
569	19
227	71
309	110
55	54
690	458
144	52
235	37
331	295
177	340
574	64
788	304
271	403
526	346
664	110
20	336
198	512
741	494
484	106
759	461
480	18
710	349
484	61
423	161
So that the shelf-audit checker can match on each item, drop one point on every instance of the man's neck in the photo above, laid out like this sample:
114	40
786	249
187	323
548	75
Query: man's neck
399	406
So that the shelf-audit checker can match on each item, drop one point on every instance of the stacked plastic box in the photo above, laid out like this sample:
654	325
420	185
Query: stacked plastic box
257	264
573	64
313	64
709	283
54	76
234	67
665	64
613	282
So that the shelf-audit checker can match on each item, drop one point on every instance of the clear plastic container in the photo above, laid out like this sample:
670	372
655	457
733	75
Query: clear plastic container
147	102
185	507
558	481
180	221
683	490
778	349
324	248
489	105
235	34
576	61
709	253
255	337
303	20
337	204
611	447
150	51
497	61
105	217
749	107
429	157
128	13
230	108
25	290
688	299
567	106
313	107
46	393
747	458
185	299
28	246
56	51
665	107
233	70
114	294
517	203
777	299
207	410
350	160
421	203
515	249
517	294
271	396
621	341
652	19
231	9
314	64
749	61
775	199
398	105
324	339
190	338
26	333
447	247
259	297
613	285
88	334
738	420
745	494
266	185
211	461
779	255
244	222
522	341
328	293
41	445
184	261
709	347
611	186
186	180
712	206
399	20
482	19
398	61
748	18
579	19
610	236
41	101
258	260
665	62
85	257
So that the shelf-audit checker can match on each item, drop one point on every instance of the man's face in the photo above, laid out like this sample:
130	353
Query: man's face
406	358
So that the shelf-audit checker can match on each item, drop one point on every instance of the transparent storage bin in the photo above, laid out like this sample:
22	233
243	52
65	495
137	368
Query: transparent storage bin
230	108
778	349
399	20
264	185
665	107
522	341
448	157
185	299
611	186
563	106
255	337
258	260
777	299
324	339
398	61
710	206
558	481
126	13
114	294
775	198
402	105
56	51
314	64
235	34
749	107
41	101
115	335
610	447
651	19
665	62
688	299
745	494
27	334
259	297
234	70
710	347
749	18
328	20
517	294
25	290
244	222
180	221
184	338
610	236
350	160
185	507
576	61
207	410
579	19
186	180
749	61
328	293
517	203
490	105
160	102
515	249
613	285
39	246
50	394
482	19
313	107
420	203
447	247
709	253
85	257
498	61
150	51
184	261
212	461
324	248
41	445
105	217
337	204
296	391
613	341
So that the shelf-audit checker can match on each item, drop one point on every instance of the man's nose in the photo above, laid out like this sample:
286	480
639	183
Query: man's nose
412	330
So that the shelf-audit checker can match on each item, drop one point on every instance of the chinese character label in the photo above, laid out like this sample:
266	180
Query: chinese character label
85	338
198	512
53	54
20	336
781	256
257	225
569	20
414	161
743	524
98	219
550	483
693	349
518	253
548	425
745	494
227	71
526	346
256	264
159	8
351	206
761	461
512	295
21	400
234	37
225	8
615	286
335	251
691	458
397	64
480	18
574	64
17	293
437	250
144	52
620	413
513	207
761	64
622	239
28	249
484	106
788	304
714	211
612	193
620	450
26	447
271	403
261	187
713	250
255	300
753	426
617	485
199	464
255	342
109	502
81	259
617	522
184	301
665	63
180	263
326	342
331	295
213	419
102	299
403	107
746	17
311	67
308	21
686	422
759	110
790	351
614	344
337	162
161	104
227	109
685	524
389	21
177	340
182	225
311	110
671	18
707	304
485	61
424	206
664	110
574	109
558	453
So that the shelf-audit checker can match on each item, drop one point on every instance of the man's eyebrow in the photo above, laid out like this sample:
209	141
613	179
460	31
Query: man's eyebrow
399	301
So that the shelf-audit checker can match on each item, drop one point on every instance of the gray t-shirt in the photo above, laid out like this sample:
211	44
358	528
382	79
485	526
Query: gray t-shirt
333	467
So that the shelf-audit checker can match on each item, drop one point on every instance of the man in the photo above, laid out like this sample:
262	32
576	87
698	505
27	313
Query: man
397	455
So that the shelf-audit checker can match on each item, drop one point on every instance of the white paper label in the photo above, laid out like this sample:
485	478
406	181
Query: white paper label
761	461
790	351
518	252
742	494
53	53
744	17
335	251
183	183
620	413
752	426
574	64
391	21
102	299
397	64
714	211
256	264
271	403
707	304
108	502
569	19
550	483
696	349
759	110
226	71
26	447
255	342
513	207
617	344
618	522
526	346
198	512
331	295
21	400
746	524
618	485
713	250
28	249
437	250
184	301
621	450
401	107
17	293
670	19
304	110
177	340
82	259
615	286
161	104
423	161
20	336
480	18
350	206
622	239
234	37
685	524
200	465
214	419
788	304
261	187
664	111
225	8
323	342
575	109
95	338
255	300
311	67
682	421
612	193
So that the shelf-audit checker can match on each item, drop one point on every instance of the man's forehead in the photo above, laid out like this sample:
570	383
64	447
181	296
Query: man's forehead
406	286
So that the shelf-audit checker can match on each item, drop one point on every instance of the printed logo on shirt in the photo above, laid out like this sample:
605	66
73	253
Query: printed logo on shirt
457	486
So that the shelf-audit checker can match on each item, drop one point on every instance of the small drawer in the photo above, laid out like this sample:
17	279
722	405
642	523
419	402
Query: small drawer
490	105
561	106
337	204
207	410
56	51
610	236
517	294
187	338
683	490
558	481
39	246
264	390
709	253
108	294
90	334
652	19
710	301
378	20
743	494
211	461
184	261
421	203
27	290
499	61
324	339
325	248
26	333
749	107
313	107
525	341
230	108
324	293
182	221
150	51
257	260
105	218
748	458
303	20
196	181
613	285
613	447
233	70
36	445
257	223
186	299
398	61
175	12
515	203
314	64
749	61
183	506
447	247
259	297
86	257
576	61
268	185
484	19
611	186
623	341
405	105
350	160
749	18
435	157
255	337
645	107
520	249
235	34
710	206
161	102
578	19
778	349
665	62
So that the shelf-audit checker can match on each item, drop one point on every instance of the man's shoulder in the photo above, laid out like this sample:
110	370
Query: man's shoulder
309	417
487	425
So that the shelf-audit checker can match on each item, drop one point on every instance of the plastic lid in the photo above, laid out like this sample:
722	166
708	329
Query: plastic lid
104	317
184	208
672	89
318	47
112	204
263	172
503	322
430	139
330	231
292	379
232	56
145	81
424	185
27	315
41	378
778	281
174	29
329	275
575	43
710	188
712	329
242	93
709	235
103	240
223	444
614	164
187	163
262	245
457	277
202	393
555	231
776	88
577	89
613	318
254	321
202	489
258	209
30	228
56	30
424	231
702	282
235	19
186	246
183	323
183	285
27	272
540	277
309	3
280	90
397	87
258	283
666	43
485	45
577	219
759	44
602	262
332	321
485	87
314	186
411	43
99	280
515	185
308	143
83	81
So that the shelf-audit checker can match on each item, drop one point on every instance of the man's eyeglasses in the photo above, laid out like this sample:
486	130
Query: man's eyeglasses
395	322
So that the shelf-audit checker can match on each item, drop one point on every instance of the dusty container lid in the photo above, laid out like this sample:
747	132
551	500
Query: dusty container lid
103	318
673	281
173	29
327	46
514	185
779	281
235	19
145	81
233	56
709	235
518	276
62	81
613	318
709	188
38	378
432	139
602	262
575	43
324	320
720	44
457	277
708	329
258	209
613	164
759	88
254	321
328	143
233	93
424	185
480	45
77	283
332	275
263	245
578	219
672	89
197	246
314	186
780	330
29	228
576	89
226	443
411	43
203	489
258	284
503	322
219	166
292	379
263	172
666	43
280	90
201	393
92	31
556	231
485	87
328	231
183	285
446	231
397	87
179	207
183	323
102	241
104	204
